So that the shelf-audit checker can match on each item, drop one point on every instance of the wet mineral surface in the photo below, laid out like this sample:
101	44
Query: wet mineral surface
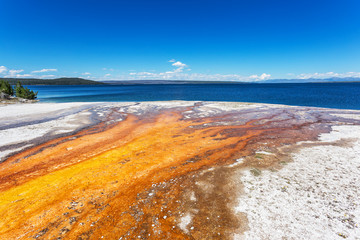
146	170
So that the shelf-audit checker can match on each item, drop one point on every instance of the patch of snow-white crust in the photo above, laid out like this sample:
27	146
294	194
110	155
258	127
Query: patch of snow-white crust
317	196
184	222
19	110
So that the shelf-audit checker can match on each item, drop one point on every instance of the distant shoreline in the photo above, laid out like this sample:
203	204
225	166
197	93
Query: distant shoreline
178	82
81	81
56	81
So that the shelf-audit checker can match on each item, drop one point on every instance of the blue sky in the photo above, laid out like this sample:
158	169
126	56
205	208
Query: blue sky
243	40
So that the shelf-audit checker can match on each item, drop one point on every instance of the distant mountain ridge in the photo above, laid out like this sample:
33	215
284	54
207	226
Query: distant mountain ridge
55	81
309	80
143	82
312	80
81	81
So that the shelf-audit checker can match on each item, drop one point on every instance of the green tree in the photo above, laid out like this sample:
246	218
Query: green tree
24	92
5	87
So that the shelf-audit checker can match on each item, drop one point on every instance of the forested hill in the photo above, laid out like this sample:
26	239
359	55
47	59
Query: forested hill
56	81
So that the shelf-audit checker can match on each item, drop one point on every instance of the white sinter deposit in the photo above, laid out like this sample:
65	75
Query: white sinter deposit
317	196
25	122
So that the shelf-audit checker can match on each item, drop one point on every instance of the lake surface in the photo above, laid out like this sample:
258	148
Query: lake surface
330	95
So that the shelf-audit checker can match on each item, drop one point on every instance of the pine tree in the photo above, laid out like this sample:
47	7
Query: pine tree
24	92
5	87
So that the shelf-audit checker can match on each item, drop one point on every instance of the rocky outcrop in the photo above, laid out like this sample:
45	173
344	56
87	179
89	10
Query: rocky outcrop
7	99
4	96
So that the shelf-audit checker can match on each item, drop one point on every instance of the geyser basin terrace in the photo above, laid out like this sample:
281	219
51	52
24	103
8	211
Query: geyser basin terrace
178	170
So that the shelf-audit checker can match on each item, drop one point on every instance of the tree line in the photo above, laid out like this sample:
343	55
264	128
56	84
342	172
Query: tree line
19	91
55	81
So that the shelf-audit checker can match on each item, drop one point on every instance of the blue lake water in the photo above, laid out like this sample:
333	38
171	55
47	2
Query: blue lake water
330	95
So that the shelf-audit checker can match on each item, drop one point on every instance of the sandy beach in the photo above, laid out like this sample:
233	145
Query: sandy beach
178	170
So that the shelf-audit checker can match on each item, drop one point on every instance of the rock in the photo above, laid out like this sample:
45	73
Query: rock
4	96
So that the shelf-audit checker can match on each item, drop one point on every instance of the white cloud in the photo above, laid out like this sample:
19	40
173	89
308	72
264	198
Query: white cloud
3	69
47	76
179	64
179	74
197	76
23	75
107	75
328	75
14	72
263	76
44	70
86	73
